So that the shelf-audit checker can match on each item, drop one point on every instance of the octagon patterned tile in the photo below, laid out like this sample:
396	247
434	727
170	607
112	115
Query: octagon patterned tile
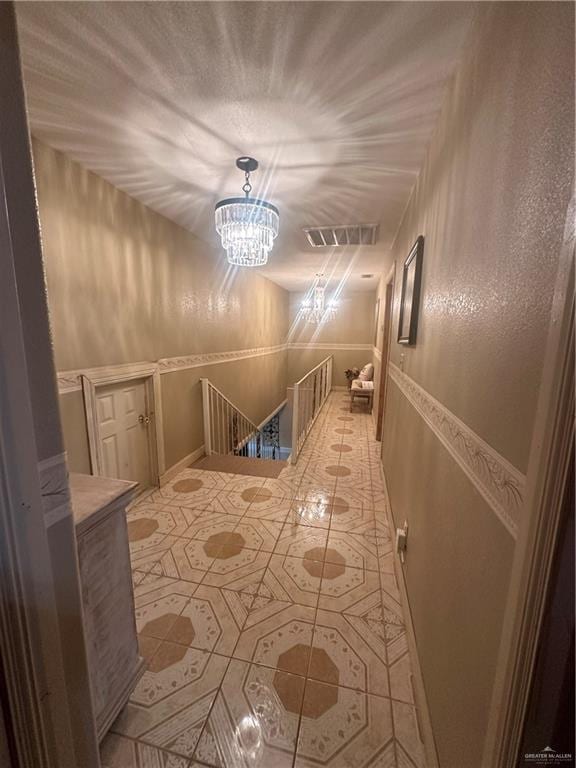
281	640
401	678
410	750
379	502
254	720
358	662
188	492
391	593
147	647
302	541
310	489
234	503
146	558
345	627
120	752
148	523
263	608
185	559
259	534
211	620
210	479
352	478
344	587
208	524
237	570
323	471
292	579
158	609
315	493
239	483
313	512
171	702
344	517
145	582
385	547
357	551
282	487
343	728
274	509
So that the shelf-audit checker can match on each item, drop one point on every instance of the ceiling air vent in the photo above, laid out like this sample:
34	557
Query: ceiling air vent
346	234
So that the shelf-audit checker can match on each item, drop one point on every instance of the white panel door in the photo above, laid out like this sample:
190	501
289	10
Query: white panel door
123	426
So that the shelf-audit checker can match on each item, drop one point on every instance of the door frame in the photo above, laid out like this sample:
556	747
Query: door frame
149	373
548	466
37	720
385	350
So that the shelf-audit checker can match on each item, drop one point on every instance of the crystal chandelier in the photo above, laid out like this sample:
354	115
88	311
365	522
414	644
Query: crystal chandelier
314	308
246	225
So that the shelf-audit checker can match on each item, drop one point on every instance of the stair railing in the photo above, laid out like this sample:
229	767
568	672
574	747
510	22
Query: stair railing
310	394
229	431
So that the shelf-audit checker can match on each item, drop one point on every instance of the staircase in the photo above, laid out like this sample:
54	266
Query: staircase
232	442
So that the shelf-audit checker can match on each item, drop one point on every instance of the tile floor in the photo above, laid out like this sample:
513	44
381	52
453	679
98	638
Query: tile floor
270	619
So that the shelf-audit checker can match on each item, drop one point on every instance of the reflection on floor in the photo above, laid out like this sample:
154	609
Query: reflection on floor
270	619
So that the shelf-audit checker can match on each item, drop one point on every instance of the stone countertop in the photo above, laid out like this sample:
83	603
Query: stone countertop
92	497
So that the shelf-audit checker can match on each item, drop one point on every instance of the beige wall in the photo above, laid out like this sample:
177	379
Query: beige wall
127	285
353	327
491	202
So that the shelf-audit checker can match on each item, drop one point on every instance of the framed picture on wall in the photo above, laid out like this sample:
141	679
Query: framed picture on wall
376	320
410	296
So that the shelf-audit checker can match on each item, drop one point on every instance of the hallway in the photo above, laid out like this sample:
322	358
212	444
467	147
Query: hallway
269	616
215	218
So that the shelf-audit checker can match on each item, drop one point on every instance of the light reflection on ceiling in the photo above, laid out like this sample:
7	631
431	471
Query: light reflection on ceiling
337	100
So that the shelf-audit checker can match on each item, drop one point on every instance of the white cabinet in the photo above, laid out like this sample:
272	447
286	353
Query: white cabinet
99	506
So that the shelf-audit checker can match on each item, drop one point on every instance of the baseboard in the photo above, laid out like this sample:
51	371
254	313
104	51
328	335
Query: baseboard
421	701
180	465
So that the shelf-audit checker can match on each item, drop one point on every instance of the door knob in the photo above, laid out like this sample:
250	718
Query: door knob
144	419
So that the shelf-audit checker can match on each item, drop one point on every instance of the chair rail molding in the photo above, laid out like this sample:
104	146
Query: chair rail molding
328	346
169	364
71	381
499	482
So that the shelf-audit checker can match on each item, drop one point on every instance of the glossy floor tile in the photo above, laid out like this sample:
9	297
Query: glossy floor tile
269	617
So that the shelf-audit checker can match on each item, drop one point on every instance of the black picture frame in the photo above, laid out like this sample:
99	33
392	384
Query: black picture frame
410	297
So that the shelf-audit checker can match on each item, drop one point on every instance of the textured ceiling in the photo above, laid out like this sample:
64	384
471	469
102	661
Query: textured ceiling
337	100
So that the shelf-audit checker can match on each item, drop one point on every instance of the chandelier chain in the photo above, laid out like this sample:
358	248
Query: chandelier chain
247	187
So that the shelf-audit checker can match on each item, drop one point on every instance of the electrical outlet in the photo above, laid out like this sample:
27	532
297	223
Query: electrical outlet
402	541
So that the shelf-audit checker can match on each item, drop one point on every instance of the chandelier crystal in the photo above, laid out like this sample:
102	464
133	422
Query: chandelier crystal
247	226
315	309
